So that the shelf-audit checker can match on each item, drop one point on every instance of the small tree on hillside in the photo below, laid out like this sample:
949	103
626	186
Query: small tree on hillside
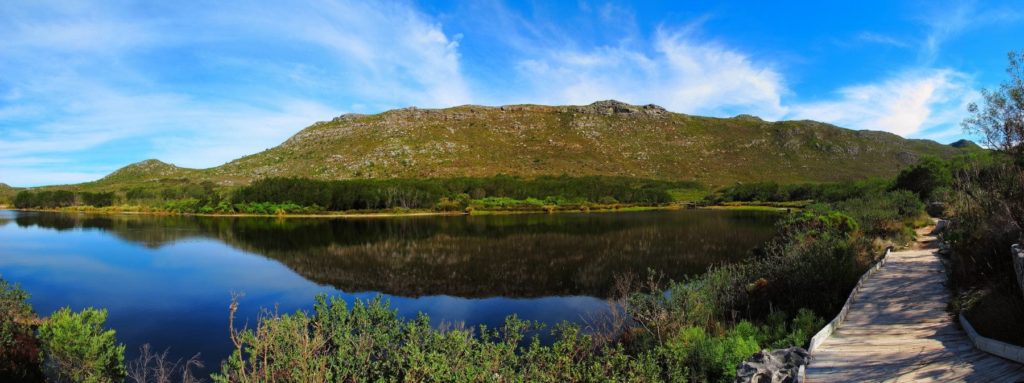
1000	118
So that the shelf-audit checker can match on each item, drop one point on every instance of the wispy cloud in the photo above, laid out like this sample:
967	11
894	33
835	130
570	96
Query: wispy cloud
907	104
879	38
675	70
113	84
946	21
382	52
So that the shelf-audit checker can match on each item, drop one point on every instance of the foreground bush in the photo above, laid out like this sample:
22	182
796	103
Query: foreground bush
369	342
19	348
77	348
987	202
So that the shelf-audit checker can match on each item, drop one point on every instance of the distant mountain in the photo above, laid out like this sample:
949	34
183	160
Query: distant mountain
603	138
146	171
966	144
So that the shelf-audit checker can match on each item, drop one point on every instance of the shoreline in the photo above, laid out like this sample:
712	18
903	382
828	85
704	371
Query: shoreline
415	213
367	214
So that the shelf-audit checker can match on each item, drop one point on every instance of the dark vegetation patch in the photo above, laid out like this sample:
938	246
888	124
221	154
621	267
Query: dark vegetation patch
299	195
986	204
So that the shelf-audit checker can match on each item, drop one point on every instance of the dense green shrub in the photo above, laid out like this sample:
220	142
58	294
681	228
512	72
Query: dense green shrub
446	193
885	215
19	348
51	199
77	348
815	273
695	356
988	207
47	199
925	177
369	342
96	199
812	263
774	192
815	220
137	194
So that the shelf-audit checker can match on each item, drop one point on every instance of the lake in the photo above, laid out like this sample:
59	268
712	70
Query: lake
167	281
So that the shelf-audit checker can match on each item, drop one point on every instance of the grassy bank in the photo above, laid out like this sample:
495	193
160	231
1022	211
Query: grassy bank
761	206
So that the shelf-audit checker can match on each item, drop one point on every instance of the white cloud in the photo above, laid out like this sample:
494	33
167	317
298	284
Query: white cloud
947	21
35	177
211	138
69	27
908	104
383	52
681	74
78	81
172	127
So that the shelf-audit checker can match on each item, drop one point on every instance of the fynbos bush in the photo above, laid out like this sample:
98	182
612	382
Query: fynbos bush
19	348
76	347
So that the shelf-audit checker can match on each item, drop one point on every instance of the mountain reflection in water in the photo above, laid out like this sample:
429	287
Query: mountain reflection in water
466	256
167	280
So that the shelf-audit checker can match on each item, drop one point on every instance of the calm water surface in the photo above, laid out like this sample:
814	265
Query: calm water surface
167	280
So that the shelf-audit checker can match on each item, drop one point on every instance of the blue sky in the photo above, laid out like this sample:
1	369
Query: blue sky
89	86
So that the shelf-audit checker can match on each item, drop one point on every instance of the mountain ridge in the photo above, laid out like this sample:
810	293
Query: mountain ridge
602	138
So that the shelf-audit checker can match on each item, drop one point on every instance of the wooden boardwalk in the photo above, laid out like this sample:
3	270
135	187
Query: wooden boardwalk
898	330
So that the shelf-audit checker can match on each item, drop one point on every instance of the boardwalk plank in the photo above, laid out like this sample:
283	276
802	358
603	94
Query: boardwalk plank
898	330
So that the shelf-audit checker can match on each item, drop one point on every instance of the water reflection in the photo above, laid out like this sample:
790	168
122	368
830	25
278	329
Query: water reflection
167	280
475	256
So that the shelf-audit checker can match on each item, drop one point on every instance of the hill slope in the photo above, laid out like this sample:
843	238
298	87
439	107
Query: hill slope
604	138
6	193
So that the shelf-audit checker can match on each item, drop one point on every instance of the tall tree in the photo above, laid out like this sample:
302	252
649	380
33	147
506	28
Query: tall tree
1000	118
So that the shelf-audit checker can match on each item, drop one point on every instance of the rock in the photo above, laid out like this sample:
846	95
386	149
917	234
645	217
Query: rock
935	209
778	366
610	107
348	117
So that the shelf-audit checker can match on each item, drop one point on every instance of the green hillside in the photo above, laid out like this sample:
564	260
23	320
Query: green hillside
604	138
6	193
